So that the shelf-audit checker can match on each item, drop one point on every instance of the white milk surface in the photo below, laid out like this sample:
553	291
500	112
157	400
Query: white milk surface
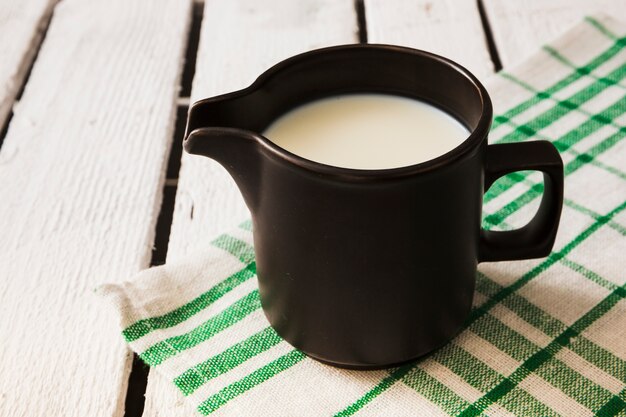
367	131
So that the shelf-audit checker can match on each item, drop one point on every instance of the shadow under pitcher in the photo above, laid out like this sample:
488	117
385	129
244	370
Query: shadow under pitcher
370	268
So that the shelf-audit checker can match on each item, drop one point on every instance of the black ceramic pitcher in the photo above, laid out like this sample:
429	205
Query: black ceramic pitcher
371	268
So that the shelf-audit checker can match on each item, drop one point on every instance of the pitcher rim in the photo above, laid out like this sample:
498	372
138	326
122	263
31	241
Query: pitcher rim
465	148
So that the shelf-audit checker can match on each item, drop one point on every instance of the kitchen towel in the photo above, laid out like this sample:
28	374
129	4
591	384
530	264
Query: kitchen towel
545	337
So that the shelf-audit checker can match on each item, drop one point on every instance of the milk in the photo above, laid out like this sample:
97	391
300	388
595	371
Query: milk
367	131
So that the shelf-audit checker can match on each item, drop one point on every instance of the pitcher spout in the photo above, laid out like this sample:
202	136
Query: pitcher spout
236	150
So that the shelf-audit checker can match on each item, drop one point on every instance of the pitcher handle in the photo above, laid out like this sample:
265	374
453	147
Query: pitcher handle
536	239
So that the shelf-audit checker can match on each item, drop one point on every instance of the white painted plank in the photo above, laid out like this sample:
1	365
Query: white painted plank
520	27
21	27
81	173
239	40
451	28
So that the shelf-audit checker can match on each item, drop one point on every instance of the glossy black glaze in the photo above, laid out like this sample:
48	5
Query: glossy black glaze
370	268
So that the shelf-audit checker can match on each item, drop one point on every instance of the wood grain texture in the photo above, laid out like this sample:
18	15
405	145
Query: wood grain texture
81	173
21	27
451	28
520	27
239	40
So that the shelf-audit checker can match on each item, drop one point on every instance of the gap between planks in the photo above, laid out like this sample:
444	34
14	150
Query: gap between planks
489	39
25	68
138	378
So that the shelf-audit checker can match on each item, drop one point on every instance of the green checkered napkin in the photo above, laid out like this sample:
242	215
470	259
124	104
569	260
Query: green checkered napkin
545	337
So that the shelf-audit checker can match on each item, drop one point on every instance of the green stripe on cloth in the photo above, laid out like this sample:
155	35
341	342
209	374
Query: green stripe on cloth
598	164
605	167
611	79
473	371
188	310
614	406
250	381
594	354
563	60
600	357
603	29
171	346
235	247
572	204
605	56
247	225
537	189
521	403
552	259
561	107
230	358
381	387
533	315
541	357
480	376
435	391
592	276
576	386
503	337
518	347
565	142
596	150
593	215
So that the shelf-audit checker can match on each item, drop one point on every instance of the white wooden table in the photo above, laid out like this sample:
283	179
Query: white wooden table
93	97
